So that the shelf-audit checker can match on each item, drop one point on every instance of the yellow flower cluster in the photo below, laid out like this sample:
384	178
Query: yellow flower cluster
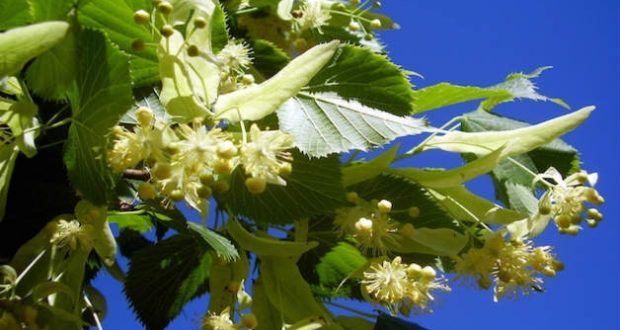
401	286
512	266
368	222
189	161
312	14
72	234
565	198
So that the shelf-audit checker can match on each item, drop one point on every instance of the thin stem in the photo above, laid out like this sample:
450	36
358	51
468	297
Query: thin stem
301	230
95	316
32	263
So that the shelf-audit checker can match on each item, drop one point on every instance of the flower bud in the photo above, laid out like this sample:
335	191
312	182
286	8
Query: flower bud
161	171
368	36
414	212
557	265
144	116
407	230
247	79
353	197
285	170
384	206
204	192
221	186
375	23
249	321
428	272
146	191
164	7
377	4
193	51
206	179
363	225
222	166
595	214
414	269
200	22
141	17
563	221
226	149
177	195
167	30
354	26
138	45
256	185
592	223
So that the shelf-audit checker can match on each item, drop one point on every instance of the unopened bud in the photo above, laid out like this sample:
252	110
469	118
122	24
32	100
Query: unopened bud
256	185
146	191
375	23
204	192
592	223
414	212
595	214
200	22
249	321
164	7
161	171
563	221
384	206
226	149
354	26
363	225
177	195
407	230
221	186
428	272
353	197
141	17
167	30
247	79
206	179
193	51
144	116
138	45
285	170
222	166
368	36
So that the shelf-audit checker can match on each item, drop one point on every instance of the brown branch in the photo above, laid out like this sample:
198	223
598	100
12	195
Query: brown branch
132	174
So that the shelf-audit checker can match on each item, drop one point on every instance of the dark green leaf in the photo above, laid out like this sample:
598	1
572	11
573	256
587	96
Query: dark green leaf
162	278
356	73
102	95
14	13
268	58
314	187
386	322
340	263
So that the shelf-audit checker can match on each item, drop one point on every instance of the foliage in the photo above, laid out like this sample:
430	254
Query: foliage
246	108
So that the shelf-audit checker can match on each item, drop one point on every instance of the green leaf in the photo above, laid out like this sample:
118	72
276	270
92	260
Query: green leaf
138	222
464	205
14	13
8	155
20	45
116	19
517	141
516	86
268	58
556	153
341	262
359	172
258	101
452	177
102	95
356	73
313	188
324	123
386	322
20	117
44	10
221	245
178	268
432	241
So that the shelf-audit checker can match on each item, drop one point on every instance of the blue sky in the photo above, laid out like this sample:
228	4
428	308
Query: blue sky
479	42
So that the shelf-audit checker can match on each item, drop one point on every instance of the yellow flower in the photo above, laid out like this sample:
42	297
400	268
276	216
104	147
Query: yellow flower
218	321
71	233
314	14
266	154
234	57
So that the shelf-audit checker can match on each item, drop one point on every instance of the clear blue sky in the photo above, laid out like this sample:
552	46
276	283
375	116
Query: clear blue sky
479	42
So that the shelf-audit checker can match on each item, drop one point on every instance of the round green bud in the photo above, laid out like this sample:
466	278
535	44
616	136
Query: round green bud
563	221
544	208
353	197
146	191
354	26
221	186
414	212
557	265
177	195
161	171
368	36
204	192
592	223
167	30
193	51
285	170
138	45
247	79
144	116
375	23
164	7
548	271
222	166
377	4
256	185
141	17
206	179
595	214
200	22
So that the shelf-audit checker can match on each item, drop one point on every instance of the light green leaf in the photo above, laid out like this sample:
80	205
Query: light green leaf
258	101
516	86
19	45
464	205
180	267
517	141
358	172
221	245
102	96
452	177
324	123
433	241
341	262
356	73
44	10
138	222
20	117
8	155
188	83
284	9
313	188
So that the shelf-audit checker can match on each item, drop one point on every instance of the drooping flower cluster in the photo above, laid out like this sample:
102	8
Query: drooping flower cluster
511	266
400	286
72	234
312	14
368	222
565	198
189	161
234	57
